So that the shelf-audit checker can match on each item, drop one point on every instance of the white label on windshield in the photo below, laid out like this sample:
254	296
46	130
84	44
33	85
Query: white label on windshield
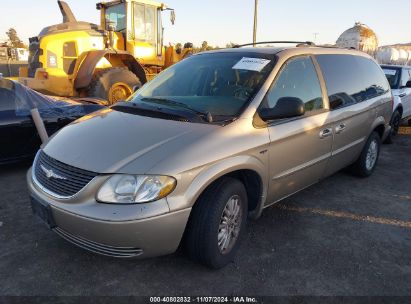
251	64
390	72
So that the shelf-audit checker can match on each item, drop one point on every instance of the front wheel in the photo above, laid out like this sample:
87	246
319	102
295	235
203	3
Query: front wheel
113	84
217	223
366	163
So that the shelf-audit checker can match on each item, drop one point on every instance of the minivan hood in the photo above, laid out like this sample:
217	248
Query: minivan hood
107	141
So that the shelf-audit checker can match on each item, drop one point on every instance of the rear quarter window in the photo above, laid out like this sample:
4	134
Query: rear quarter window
351	79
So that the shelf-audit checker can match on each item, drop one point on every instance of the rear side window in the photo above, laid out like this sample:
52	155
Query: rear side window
7	100
351	79
298	78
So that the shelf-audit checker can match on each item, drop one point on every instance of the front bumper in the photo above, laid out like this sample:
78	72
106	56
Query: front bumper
125	238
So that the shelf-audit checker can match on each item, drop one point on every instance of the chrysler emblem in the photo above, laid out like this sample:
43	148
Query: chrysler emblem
50	174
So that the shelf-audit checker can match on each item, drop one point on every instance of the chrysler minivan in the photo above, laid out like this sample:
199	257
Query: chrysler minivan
210	142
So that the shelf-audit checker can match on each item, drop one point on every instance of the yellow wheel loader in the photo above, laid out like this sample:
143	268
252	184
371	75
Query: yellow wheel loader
110	60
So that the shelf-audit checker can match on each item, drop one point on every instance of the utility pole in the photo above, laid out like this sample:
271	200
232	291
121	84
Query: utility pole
255	22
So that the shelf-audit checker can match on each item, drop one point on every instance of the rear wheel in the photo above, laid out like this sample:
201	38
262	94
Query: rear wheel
368	159
217	223
113	84
395	126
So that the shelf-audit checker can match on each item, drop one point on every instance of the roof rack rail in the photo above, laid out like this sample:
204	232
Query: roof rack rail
309	43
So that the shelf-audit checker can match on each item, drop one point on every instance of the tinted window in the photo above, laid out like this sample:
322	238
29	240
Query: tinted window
393	76
351	79
298	78
6	100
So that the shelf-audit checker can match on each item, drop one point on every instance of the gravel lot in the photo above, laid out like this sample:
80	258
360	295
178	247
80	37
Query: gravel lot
343	236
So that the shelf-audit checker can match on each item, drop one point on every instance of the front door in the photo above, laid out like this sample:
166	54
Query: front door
299	147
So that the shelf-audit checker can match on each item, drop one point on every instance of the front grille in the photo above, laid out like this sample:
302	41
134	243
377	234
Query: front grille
117	252
59	179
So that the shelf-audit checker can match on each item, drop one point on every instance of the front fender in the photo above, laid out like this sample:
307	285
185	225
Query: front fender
85	70
198	180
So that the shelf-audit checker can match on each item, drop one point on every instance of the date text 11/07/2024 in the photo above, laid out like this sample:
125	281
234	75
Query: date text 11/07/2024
232	299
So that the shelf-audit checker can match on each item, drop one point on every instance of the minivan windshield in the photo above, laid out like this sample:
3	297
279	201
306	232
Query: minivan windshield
215	86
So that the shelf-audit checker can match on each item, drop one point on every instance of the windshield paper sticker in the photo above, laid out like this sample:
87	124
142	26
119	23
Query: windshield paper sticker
251	64
390	72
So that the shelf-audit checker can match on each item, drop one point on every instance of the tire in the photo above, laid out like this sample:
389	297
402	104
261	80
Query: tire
395	126
362	167
113	84
201	240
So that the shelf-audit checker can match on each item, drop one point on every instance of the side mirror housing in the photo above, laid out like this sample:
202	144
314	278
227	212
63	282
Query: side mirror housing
408	84
287	107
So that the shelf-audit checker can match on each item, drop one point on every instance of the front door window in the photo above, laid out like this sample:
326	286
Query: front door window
298	79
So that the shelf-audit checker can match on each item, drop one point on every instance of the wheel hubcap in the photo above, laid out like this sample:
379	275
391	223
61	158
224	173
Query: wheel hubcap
230	224
118	92
372	155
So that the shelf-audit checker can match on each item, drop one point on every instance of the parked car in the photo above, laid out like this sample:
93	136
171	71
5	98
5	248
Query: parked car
18	135
206	144
399	78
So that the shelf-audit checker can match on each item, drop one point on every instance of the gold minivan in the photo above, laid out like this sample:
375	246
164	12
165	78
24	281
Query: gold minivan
210	142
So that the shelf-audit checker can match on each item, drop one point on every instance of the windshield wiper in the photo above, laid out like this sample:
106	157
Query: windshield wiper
205	116
148	109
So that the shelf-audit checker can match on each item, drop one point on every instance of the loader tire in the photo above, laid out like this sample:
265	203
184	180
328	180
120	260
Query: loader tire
113	84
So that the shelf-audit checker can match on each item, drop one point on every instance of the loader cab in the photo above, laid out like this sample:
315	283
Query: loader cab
138	28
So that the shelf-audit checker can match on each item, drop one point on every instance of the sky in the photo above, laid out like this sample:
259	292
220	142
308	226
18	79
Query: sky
222	21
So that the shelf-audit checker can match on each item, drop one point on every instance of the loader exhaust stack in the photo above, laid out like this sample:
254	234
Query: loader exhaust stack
65	9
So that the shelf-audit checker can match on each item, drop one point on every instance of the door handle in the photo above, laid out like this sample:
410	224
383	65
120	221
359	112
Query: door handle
326	132
340	128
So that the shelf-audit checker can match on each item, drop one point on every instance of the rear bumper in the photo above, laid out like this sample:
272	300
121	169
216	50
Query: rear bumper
131	238
55	85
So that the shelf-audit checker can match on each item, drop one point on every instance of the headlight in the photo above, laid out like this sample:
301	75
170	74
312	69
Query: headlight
131	189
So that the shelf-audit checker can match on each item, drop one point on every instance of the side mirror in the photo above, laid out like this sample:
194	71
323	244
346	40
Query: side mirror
408	85
286	107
